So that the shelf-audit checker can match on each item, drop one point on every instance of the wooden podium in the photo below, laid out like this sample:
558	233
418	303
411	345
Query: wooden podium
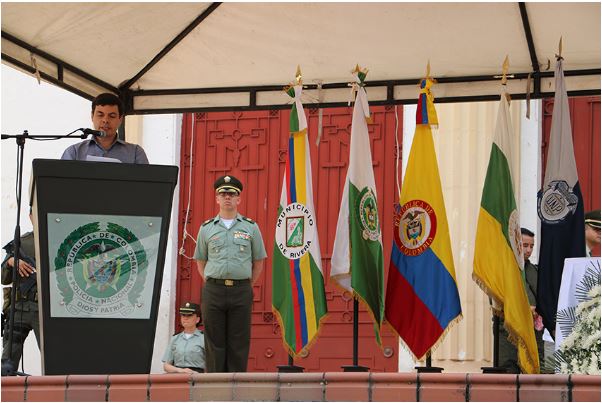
101	232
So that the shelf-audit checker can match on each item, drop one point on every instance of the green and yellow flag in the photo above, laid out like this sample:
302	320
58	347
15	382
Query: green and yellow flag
498	258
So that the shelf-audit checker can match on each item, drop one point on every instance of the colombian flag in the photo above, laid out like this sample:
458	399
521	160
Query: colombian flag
298	298
422	295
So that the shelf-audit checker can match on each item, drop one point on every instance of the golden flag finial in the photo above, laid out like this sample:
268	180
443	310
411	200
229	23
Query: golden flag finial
298	76
428	69
559	55
505	67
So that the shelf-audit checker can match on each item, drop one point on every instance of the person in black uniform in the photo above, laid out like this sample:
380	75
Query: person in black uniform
26	301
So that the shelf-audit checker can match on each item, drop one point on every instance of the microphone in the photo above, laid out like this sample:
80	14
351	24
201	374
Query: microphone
95	133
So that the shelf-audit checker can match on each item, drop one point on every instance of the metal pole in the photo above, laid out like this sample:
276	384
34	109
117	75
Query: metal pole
356	309
496	341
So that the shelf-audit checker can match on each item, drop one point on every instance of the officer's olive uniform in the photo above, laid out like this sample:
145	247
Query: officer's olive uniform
508	352
185	352
26	306
227	297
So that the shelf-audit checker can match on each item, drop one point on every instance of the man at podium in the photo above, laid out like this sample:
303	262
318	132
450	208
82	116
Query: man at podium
107	115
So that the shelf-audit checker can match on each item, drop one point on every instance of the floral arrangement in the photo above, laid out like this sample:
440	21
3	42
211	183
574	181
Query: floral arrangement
579	353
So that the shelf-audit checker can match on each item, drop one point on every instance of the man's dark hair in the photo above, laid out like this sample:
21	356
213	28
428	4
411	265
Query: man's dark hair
108	99
526	232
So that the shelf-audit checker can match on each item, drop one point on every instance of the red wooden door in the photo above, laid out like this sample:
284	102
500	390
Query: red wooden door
252	146
585	122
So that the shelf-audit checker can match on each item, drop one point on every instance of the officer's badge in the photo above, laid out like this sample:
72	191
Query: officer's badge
227	179
242	235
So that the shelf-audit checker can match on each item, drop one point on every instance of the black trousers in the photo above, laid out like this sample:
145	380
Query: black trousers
227	318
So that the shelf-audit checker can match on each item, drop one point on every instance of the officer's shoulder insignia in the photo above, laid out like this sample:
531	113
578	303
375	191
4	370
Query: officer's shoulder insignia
247	219
207	222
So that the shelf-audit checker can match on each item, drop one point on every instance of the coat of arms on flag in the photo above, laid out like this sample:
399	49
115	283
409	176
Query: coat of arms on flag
298	297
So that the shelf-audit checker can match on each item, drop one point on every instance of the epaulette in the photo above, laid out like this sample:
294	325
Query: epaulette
247	219
207	222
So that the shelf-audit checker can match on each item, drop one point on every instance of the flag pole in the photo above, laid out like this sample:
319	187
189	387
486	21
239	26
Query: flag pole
496	369
355	367
291	367
428	368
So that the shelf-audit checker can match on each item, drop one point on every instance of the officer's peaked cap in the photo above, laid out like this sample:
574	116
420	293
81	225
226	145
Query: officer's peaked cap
190	308
592	218
227	183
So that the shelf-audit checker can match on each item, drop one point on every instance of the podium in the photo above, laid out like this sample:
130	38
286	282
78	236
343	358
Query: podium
101	231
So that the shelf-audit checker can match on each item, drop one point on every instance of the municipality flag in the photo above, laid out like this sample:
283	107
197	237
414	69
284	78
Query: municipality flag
422	294
357	256
298	298
498	257
559	206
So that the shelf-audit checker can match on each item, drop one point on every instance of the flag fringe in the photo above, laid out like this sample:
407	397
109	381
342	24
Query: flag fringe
309	344
435	345
489	292
520	343
513	335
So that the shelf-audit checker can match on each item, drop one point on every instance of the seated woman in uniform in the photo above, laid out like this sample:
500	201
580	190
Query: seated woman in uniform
186	350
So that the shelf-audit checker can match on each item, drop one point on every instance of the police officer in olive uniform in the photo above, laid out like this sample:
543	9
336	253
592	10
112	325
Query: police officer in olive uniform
186	350
26	301
230	254
592	231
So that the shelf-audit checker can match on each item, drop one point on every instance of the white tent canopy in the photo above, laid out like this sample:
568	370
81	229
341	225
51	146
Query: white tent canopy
175	57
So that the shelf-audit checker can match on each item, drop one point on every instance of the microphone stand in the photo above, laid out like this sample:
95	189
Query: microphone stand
8	367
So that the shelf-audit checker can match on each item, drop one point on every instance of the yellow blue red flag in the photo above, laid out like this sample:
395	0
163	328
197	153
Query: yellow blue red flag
422	299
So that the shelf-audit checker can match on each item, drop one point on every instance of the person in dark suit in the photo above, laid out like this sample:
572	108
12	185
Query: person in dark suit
508	353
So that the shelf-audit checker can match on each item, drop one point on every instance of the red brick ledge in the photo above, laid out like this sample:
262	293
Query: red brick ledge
329	386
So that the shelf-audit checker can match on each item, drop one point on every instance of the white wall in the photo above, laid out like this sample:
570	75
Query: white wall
39	109
530	154
46	109
465	134
160	137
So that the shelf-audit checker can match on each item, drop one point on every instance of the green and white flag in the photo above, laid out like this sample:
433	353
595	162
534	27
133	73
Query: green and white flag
357	256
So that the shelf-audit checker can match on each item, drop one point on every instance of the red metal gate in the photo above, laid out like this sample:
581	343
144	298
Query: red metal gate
252	146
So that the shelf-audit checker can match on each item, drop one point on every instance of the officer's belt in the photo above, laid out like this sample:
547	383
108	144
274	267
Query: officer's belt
195	369
227	282
29	296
